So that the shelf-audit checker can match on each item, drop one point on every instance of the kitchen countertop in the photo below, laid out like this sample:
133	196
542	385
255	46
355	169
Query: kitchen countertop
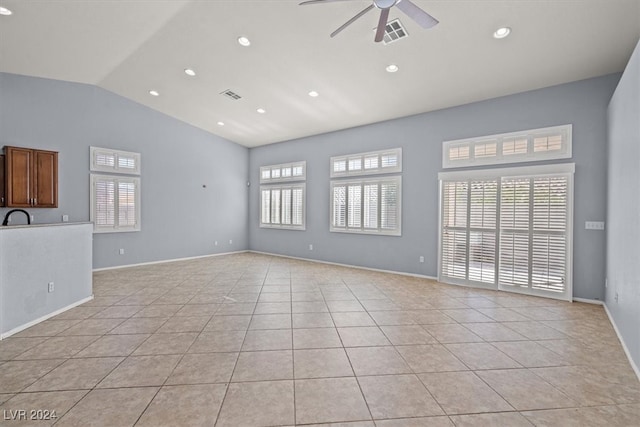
13	227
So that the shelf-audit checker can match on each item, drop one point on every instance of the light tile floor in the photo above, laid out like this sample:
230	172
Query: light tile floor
253	340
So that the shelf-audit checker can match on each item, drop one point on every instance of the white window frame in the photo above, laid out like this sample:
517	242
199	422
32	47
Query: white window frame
116	179
567	169
117	154
281	226
397	179
397	152
281	168
565	151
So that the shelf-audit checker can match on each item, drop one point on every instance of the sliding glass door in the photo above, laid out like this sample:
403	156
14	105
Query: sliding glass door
506	231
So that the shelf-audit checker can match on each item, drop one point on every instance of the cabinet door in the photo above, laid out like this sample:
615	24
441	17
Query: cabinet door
45	179
2	189
19	176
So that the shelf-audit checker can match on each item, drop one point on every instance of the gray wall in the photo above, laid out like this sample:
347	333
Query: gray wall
583	104
623	207
180	218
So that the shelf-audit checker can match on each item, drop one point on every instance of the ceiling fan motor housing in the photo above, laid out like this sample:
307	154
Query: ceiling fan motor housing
385	4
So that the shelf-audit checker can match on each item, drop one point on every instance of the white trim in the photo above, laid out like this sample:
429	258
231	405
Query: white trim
359	267
499	157
589	301
168	260
624	346
362	171
541	170
43	318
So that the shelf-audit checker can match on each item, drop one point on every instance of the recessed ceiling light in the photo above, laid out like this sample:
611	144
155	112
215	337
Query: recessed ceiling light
154	93
189	72
313	94
220	123
502	32
261	110
244	41
5	11
392	68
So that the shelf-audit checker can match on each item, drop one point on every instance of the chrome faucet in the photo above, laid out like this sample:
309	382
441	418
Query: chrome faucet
6	217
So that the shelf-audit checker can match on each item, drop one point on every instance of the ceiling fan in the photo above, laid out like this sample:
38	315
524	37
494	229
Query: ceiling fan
407	6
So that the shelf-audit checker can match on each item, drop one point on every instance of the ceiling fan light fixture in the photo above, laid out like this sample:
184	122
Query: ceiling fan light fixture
4	11
392	68
244	41
501	32
314	94
189	72
154	93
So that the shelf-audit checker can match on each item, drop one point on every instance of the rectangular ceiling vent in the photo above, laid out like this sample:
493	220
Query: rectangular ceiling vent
230	94
394	32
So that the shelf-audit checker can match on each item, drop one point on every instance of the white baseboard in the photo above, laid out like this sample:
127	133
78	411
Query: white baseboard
624	346
117	267
589	301
401	273
43	318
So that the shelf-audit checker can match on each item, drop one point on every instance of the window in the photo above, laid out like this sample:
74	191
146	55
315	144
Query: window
367	206
509	229
372	163
285	172
526	146
283	205
115	203
114	161
115	199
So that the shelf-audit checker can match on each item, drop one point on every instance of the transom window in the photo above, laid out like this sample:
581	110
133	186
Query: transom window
526	146
371	163
285	172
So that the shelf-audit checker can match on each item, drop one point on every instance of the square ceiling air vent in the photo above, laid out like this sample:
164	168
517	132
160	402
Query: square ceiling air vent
394	32
230	94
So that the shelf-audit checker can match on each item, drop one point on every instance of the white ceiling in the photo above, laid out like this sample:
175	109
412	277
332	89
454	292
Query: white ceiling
132	46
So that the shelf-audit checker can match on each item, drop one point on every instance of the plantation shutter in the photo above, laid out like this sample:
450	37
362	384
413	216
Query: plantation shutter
534	234
482	230
105	206
127	206
455	196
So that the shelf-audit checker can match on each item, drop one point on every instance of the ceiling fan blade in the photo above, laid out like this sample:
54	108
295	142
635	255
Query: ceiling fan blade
414	12
318	2
382	25
352	20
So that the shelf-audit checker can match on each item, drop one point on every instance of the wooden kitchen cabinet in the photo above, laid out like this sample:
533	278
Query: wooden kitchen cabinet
31	178
2	198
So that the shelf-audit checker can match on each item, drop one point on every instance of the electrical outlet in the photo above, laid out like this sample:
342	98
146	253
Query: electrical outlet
32	217
606	283
231	242
65	218
121	251
215	243
594	225
50	287
310	247
421	259
616	297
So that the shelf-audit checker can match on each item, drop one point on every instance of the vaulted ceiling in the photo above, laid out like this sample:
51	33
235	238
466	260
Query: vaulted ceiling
131	47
